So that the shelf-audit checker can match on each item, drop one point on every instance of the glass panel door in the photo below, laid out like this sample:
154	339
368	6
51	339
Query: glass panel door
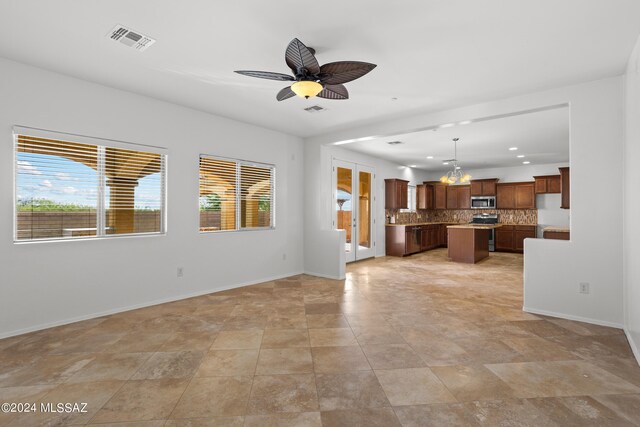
344	206
353	197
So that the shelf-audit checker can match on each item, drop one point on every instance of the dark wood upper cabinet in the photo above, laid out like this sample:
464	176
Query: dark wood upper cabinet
439	196
516	195
483	187
395	193
424	196
459	197
547	184
452	197
464	197
506	196
476	188
564	188
525	196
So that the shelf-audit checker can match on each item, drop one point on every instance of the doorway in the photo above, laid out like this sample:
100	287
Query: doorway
353	201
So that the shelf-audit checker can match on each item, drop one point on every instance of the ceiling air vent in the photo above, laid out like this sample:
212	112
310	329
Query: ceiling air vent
130	38
394	142
315	109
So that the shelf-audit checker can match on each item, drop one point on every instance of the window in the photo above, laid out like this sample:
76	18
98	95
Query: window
236	195
411	199
70	187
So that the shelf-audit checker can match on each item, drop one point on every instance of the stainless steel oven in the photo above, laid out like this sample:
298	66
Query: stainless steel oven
483	202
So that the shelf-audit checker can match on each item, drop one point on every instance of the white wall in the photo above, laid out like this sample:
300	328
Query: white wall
554	269
50	283
632	201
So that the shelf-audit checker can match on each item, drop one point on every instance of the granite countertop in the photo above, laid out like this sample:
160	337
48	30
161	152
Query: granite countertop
557	229
455	223
425	223
477	226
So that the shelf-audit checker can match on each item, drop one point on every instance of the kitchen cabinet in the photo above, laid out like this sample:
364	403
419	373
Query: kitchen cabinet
430	237
439	196
401	240
522	232
452	197
395	191
510	238
458	197
516	195
564	188
483	187
525	196
557	235
444	235
547	184
464	197
407	239
504	238
424	196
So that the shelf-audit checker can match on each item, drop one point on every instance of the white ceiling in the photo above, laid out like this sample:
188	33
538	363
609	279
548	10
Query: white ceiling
542	137
431	54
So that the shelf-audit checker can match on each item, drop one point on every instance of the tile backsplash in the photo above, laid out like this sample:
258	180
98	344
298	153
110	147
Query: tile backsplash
505	216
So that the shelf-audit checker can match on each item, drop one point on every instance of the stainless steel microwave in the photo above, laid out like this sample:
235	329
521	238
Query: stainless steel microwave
483	202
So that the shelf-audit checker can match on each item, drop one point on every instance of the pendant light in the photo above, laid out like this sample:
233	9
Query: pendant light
456	175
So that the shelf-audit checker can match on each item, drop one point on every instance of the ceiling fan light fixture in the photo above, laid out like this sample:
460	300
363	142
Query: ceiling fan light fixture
306	88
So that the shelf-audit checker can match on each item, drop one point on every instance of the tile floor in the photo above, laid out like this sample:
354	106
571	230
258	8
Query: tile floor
413	342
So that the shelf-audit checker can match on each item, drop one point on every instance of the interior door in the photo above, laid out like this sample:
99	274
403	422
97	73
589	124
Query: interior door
354	205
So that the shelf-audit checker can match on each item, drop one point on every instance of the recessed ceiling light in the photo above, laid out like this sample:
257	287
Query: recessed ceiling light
526	162
464	122
513	148
445	163
429	157
447	125
412	166
520	156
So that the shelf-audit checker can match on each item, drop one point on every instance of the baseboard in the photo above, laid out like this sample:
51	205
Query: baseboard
633	344
325	276
571	317
141	305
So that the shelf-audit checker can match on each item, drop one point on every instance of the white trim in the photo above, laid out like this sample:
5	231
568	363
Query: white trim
325	276
142	305
634	346
571	317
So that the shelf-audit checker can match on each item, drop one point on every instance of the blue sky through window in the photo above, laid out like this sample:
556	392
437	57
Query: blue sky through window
41	176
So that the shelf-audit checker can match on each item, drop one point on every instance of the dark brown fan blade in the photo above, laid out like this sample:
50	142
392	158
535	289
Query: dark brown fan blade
341	72
298	56
334	92
266	75
285	93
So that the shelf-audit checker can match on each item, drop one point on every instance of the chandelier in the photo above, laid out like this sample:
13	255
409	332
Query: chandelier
455	175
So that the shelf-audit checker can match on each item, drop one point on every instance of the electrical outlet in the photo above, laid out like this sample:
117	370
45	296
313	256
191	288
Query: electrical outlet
180	271
584	288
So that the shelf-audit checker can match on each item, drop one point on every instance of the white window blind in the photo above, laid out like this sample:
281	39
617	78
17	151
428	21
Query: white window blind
236	194
69	186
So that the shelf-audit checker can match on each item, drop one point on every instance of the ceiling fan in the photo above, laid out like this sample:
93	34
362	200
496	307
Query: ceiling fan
310	78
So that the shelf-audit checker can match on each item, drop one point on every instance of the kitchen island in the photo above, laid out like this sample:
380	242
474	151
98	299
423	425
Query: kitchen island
469	243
